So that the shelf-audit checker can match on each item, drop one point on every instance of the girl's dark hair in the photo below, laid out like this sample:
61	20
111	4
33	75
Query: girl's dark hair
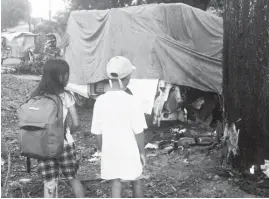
50	82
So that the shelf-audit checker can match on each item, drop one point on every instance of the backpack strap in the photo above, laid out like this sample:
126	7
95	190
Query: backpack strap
58	103
26	101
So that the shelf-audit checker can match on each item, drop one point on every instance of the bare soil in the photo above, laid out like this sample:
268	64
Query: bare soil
191	173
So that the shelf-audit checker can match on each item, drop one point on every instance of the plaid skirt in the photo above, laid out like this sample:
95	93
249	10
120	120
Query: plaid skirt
67	163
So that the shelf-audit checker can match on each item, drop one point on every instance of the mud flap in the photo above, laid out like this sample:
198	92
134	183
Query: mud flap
28	165
164	89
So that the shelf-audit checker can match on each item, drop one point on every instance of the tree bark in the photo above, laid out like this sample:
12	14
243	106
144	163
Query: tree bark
245	77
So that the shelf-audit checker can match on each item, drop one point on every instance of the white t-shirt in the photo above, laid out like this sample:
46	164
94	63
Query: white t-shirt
68	101
118	117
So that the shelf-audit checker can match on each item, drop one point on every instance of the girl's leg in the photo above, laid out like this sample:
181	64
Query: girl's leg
77	188
49	172
69	165
51	189
116	188
138	189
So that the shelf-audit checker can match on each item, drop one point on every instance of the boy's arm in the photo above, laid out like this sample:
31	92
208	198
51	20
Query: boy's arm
141	146
138	126
140	142
97	124
99	142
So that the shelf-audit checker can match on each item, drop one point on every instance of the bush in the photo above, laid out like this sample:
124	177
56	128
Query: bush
30	68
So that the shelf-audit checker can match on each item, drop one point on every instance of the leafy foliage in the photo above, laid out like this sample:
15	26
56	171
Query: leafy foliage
106	4
46	27
12	12
216	7
62	17
30	68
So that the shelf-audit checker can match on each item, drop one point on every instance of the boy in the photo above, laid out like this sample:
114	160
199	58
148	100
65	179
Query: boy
118	123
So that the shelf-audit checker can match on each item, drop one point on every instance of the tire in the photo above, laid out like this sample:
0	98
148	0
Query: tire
89	103
84	102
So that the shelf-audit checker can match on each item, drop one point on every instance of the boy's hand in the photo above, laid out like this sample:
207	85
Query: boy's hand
143	159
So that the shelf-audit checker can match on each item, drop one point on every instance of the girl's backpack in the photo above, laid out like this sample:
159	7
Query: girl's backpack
41	134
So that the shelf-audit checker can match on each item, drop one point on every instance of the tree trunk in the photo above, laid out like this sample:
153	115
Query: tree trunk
49	10
29	23
246	77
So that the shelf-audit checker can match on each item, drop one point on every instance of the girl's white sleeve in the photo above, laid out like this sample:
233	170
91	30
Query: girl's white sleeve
69	100
138	118
96	119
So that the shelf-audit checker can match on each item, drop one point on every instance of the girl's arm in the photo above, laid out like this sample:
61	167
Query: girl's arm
73	113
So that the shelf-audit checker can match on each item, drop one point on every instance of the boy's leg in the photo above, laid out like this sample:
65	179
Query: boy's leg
138	189
116	188
77	188
51	189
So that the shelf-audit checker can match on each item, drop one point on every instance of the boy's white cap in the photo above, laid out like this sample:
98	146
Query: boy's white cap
119	67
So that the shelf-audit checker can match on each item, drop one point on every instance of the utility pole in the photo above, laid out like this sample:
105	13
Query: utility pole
49	10
29	15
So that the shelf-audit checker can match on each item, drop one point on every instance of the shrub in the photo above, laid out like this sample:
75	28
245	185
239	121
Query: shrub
30	68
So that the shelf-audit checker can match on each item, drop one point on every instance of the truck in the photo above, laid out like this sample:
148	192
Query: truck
177	50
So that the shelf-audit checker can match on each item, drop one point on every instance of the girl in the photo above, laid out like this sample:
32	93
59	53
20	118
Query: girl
118	123
54	79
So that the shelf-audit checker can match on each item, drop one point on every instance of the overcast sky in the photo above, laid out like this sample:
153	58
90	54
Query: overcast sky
40	8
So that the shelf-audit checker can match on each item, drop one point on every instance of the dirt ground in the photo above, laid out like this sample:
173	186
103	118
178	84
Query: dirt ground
11	61
191	173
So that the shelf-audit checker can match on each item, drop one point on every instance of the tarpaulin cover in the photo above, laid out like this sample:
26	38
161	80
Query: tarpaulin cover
175	42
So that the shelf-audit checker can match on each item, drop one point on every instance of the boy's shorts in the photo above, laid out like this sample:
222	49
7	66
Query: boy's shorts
67	162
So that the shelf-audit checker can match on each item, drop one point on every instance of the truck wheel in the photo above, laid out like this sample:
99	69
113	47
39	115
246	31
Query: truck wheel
149	121
89	103
84	102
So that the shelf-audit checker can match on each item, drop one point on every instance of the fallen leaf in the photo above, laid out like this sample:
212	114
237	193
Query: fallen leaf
151	146
93	159
97	154
2	162
24	180
151	155
169	148
146	177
